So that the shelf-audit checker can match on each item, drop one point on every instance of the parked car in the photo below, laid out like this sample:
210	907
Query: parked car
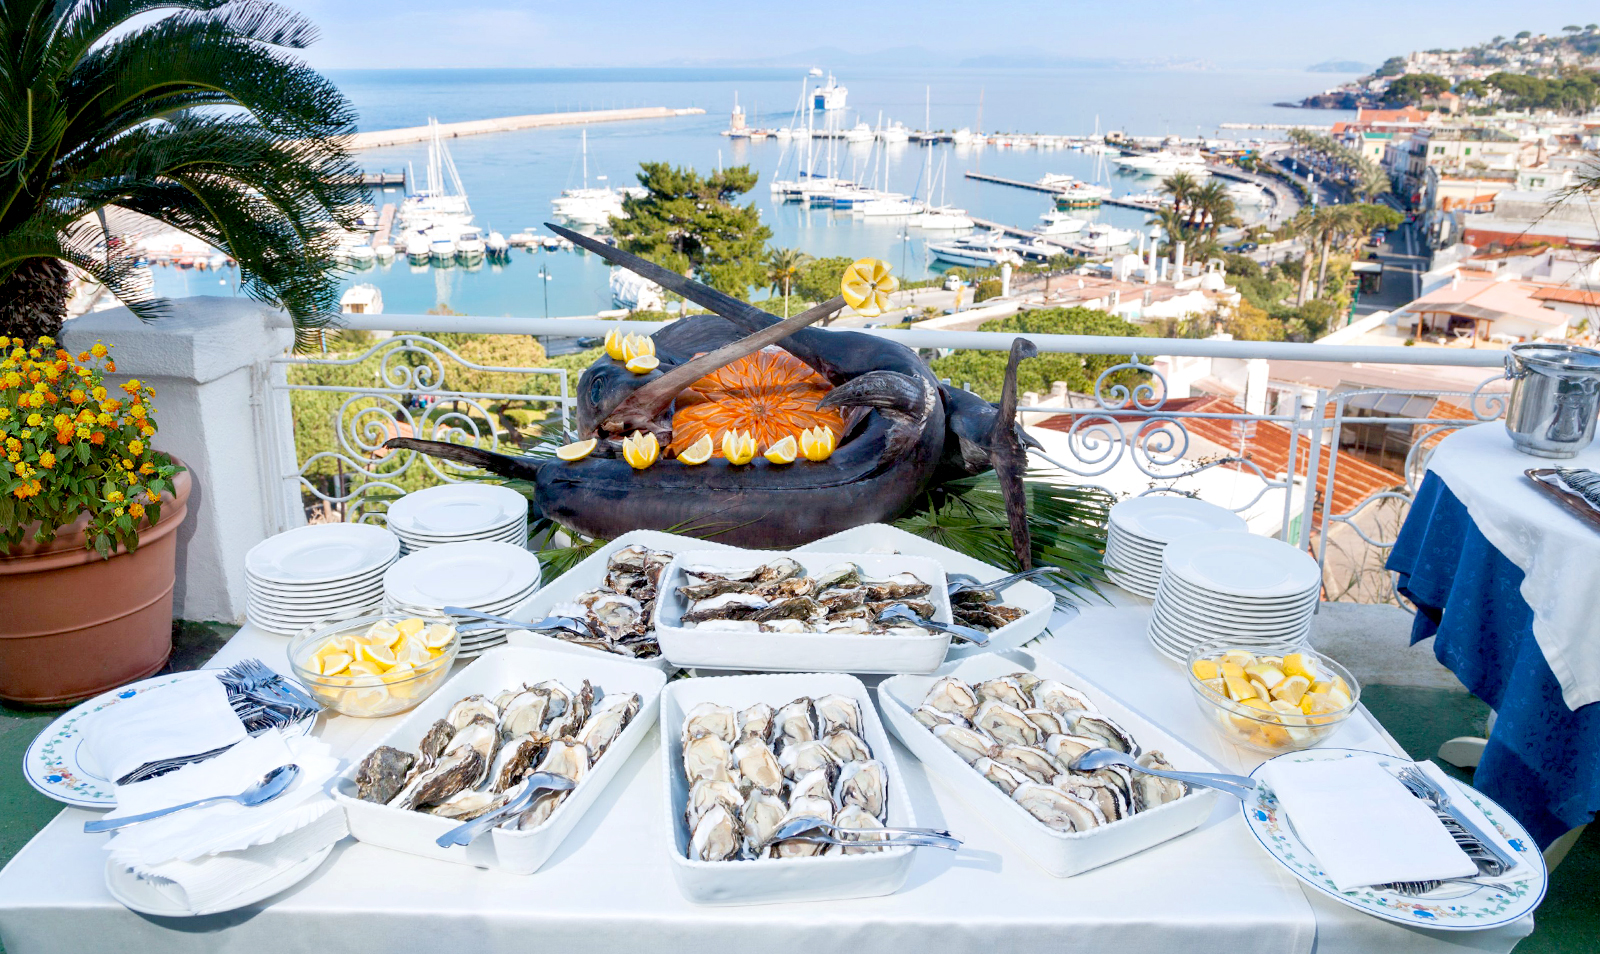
1248	247
951	283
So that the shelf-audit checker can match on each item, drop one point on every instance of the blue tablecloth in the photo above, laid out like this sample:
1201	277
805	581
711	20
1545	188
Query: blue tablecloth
1543	759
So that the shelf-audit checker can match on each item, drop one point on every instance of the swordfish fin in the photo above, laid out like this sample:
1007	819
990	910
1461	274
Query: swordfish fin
1010	459
514	468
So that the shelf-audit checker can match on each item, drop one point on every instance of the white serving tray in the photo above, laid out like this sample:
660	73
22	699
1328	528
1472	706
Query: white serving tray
800	652
1039	602
1062	854
591	574
773	880
519	852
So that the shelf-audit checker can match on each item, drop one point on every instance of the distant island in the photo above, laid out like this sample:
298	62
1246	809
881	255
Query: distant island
1340	66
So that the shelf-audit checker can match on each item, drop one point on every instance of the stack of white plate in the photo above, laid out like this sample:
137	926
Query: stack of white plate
1253	592
483	575
310	574
453	513
1141	527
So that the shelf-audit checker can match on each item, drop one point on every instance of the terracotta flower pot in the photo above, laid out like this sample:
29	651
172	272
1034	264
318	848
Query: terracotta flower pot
75	624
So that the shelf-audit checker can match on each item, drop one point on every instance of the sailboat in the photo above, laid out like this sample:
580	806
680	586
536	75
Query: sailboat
942	217
444	200
586	206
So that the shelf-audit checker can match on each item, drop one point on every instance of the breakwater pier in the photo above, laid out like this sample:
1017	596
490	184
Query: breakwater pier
379	138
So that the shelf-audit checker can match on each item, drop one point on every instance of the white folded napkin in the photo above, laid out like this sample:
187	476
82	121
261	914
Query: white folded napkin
186	717
223	826
1363	826
211	880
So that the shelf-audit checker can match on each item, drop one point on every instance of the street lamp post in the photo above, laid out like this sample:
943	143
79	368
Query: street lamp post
544	281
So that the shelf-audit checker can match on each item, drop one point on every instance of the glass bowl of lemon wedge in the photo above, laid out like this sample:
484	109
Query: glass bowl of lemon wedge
375	666
1271	703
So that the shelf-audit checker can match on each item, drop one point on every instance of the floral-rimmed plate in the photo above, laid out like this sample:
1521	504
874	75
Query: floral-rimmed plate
1450	907
57	767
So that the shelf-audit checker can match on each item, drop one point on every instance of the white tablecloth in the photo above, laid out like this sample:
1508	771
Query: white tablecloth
1559	555
609	888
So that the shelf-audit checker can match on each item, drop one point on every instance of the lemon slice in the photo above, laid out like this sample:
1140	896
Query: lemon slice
409	627
333	663
738	448
783	452
817	443
637	346
640	450
1268	676
402	671
867	285
1204	669
1239	657
438	636
699	452
643	364
1300	664
378	653
1232	669
578	451
1291	689
362	667
614	344
1238	689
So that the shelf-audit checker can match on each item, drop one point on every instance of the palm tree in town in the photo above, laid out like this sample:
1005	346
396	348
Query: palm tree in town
1180	186
783	270
1212	209
188	112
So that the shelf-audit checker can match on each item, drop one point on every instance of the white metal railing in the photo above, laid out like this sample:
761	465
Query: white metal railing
1117	426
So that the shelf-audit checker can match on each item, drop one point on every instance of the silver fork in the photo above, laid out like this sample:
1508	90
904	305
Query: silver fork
1416	889
1424	788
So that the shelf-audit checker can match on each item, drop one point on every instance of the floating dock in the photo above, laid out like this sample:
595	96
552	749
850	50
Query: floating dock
385	231
1051	190
385	178
478	127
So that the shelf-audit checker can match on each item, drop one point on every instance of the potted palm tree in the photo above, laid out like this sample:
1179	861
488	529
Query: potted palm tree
191	113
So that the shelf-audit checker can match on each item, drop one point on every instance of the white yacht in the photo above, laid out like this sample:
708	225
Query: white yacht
889	203
962	136
895	132
1163	163
1056	222
469	244
830	95
942	218
979	250
444	199
634	292
586	206
361	256
417	247
442	249
860	132
496	246
384	253
364	299
1104	238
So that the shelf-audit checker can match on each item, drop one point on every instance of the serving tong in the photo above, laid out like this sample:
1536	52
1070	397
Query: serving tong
958	583
818	829
549	624
901	612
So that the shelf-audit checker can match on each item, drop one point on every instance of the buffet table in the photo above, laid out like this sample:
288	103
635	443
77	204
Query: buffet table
609	887
1508	583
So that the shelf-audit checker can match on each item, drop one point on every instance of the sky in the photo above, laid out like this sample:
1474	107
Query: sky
1237	34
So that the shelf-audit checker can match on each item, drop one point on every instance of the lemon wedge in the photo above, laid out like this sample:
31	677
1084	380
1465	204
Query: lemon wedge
363	667
1239	657
637	346
640	450
1300	664
409	627
614	344
867	285
1205	669
331	664
816	443
699	452
784	451
738	448
378	653
643	364
1291	689
1238	689
578	451
438	636
1231	669
1268	676
402	671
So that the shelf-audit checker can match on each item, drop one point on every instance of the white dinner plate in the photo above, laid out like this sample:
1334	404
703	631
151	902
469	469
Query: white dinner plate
501	608
1164	518
139	895
1450	907
1204	627
457	509
1242	564
1240	606
1205	618
1132	584
370	578
503	530
476	573
322	552
516	533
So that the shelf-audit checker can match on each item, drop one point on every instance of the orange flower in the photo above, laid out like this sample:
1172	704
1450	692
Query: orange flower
136	511
83	356
131	386
137	411
99	350
147	468
47	460
64	436
76	396
111	366
97	438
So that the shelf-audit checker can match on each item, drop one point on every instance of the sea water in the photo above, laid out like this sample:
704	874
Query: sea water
511	177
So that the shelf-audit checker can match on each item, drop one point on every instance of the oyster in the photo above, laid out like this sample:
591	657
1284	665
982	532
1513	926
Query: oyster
514	762
1065	748
1106	796
756	722
503	698
465	806
815	784
633	558
840	575
1003	776
799	758
608	721
1119	777
842	597
708	718
472	707
612	615
435	739
1005	724
567	724
1057	809
569	759
454	772
705	591
799	607
544	805
787	589
708	757
1034	763
725	606
559	696
1060	698
717	835
857	626
804	807
837	711
900	586
1150	791
795	722
922	608
760	817
480	735
952	695
970	744
1098	726
1049	723
864	784
707	574
978	617
855	816
758	767
705	793
848	746
902	629
524	713
1006	689
783	568
383	773
930	717
786	626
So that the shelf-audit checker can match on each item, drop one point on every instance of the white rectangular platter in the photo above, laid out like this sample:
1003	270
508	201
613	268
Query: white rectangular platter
1039	602
800	652
519	852
1062	854
771	880
591	574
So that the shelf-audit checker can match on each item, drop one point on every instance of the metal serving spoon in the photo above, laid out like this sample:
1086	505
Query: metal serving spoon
900	612
270	786
1238	786
908	837
963	582
548	624
535	783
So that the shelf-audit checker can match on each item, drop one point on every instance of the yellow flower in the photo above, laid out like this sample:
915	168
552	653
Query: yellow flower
132	386
147	431
99	393
127	464
5	412
47	341
104	419
27	433
137	411
114	497
147	468
60	421
118	511
136	447
131	478
112	406
21	469
82	433
99	350
47	460
34	419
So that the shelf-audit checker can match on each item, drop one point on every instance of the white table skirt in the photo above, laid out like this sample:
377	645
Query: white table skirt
609	888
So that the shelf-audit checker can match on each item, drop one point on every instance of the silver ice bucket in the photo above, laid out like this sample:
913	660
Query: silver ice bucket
1555	397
